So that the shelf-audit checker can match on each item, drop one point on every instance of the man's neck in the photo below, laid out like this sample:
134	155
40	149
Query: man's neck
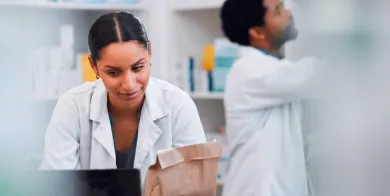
273	50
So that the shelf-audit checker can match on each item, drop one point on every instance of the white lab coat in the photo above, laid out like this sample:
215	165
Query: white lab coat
79	134
263	114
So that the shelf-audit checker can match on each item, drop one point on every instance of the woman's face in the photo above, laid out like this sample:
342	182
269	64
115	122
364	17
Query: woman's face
124	68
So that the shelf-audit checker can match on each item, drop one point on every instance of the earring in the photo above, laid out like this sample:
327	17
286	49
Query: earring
97	76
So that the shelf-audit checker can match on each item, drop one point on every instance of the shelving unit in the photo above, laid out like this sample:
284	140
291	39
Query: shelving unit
206	96
195	24
192	5
77	6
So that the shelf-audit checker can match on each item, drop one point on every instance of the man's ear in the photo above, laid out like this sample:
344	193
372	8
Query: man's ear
257	33
150	48
93	65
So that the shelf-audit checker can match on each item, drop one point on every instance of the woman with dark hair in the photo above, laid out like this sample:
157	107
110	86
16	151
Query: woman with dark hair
125	117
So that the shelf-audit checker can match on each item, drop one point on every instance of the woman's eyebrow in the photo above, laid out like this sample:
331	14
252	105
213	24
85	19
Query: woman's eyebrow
116	67
111	67
137	62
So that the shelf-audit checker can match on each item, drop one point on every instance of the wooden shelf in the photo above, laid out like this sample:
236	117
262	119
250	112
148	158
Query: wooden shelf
77	6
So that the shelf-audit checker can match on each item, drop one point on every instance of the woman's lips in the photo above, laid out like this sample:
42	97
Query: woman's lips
131	95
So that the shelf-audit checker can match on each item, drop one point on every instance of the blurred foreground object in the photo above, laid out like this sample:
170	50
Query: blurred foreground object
110	182
185	171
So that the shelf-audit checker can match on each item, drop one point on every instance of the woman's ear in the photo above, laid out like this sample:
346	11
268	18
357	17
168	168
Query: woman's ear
150	48
93	65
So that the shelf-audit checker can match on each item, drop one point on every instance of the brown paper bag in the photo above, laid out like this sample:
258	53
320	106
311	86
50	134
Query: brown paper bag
185	171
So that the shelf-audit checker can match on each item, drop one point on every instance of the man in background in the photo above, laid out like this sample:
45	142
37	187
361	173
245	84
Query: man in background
262	102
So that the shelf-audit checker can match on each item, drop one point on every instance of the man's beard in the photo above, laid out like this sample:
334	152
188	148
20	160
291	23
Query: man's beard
289	34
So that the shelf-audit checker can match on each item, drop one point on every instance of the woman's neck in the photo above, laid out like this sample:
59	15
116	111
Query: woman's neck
118	109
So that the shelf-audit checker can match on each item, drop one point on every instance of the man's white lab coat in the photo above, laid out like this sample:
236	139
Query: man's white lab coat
263	114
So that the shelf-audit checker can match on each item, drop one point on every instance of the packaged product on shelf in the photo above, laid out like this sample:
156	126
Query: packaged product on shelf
55	58
68	58
67	36
200	77
181	73
225	54
88	75
208	57
52	82
67	40
39	61
63	79
208	64
56	68
191	66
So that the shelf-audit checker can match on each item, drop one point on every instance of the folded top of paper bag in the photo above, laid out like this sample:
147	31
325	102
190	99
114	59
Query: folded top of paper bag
173	156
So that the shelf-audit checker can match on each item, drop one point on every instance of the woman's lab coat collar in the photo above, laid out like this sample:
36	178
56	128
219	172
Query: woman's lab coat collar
153	109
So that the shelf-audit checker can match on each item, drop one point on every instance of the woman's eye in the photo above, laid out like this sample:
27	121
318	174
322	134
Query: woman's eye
137	68
113	73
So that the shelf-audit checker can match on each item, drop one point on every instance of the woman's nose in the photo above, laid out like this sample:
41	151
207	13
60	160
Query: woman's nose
129	82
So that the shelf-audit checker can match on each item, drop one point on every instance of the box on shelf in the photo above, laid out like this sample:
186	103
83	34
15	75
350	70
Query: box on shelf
208	73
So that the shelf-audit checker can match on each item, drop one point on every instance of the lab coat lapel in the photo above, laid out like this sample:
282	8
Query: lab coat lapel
102	146
148	132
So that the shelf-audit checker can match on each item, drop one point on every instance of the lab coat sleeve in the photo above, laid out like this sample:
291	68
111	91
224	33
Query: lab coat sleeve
280	82
187	128
61	139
